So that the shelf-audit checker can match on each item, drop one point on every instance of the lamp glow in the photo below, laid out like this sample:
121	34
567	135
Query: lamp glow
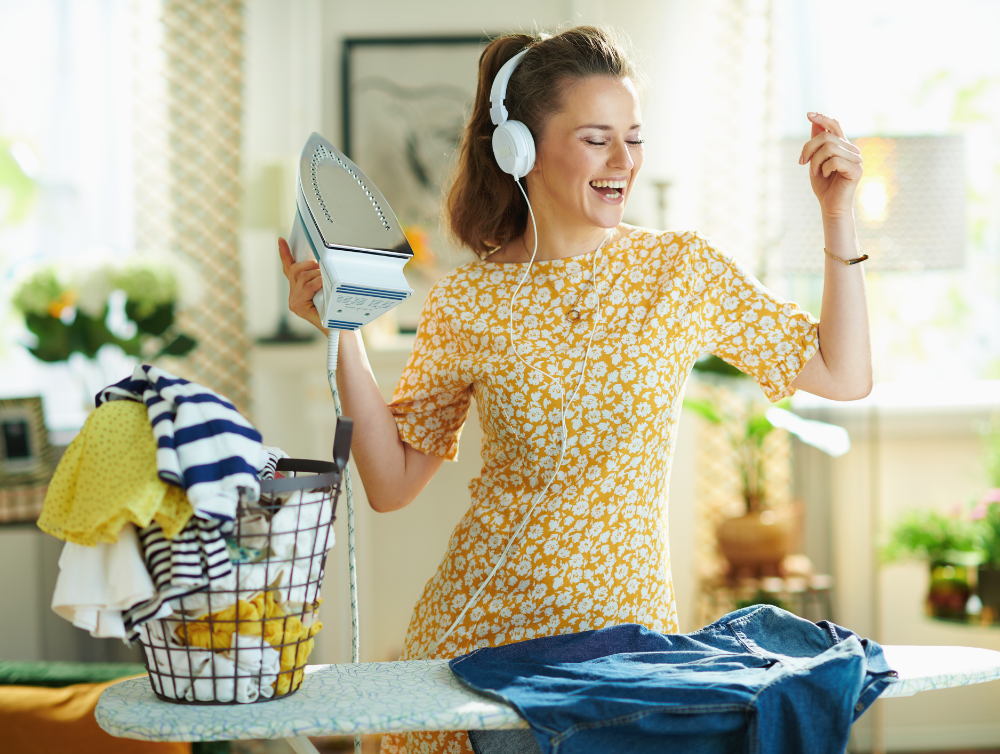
873	198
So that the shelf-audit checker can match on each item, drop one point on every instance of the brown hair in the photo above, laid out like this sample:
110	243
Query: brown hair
484	206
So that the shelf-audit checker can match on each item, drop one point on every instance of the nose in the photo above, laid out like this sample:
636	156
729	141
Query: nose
620	157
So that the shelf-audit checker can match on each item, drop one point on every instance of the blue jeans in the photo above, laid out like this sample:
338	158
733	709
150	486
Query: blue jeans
758	681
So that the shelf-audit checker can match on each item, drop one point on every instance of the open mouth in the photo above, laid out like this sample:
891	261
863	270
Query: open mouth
610	189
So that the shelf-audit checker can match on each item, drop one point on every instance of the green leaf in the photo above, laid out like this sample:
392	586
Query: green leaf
758	427
703	408
153	321
179	346
53	337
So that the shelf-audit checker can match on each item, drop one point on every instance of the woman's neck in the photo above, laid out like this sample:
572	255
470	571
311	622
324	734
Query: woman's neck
557	241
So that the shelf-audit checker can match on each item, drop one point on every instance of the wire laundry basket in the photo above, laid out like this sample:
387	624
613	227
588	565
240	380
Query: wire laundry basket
248	636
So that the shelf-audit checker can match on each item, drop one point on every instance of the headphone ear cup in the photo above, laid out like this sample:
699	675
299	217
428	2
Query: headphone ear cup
514	148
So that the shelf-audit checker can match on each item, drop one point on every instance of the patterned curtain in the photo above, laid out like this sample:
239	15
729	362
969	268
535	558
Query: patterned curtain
188	107
739	195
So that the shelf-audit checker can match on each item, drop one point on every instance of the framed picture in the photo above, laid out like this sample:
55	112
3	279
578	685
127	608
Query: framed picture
405	101
26	458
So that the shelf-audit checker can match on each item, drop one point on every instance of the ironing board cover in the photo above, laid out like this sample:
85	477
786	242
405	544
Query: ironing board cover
382	697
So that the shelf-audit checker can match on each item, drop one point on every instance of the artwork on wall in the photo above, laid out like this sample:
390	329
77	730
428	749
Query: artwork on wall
25	458
405	101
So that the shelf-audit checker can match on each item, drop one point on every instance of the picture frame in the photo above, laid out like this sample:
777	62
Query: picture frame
404	105
26	458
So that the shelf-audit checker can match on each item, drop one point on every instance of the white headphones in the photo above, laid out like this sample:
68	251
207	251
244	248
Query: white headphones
513	146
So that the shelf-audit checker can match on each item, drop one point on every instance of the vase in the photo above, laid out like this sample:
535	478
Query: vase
756	540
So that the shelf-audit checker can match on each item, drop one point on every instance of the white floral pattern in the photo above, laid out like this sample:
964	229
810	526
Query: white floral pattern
595	553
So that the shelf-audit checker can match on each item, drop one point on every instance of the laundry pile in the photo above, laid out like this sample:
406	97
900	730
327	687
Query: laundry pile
179	535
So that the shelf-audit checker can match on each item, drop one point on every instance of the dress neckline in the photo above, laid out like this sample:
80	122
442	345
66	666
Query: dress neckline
562	260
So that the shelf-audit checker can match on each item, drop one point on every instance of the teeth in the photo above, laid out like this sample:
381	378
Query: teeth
609	184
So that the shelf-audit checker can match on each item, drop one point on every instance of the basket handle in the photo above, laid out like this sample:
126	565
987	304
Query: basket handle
342	441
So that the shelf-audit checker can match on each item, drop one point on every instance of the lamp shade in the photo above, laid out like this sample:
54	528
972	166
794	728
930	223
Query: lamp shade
909	206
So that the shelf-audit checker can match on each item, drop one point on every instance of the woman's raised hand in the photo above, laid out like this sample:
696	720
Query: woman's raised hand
304	279
834	166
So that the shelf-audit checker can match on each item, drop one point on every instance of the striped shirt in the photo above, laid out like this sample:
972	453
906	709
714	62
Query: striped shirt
188	563
203	443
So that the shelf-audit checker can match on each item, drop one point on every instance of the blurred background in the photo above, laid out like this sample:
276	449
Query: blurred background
148	153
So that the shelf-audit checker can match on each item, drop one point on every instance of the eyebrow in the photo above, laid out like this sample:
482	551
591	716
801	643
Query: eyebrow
601	127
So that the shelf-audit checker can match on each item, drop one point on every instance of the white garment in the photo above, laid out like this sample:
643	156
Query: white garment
301	534
304	584
246	581
172	669
301	527
244	673
96	584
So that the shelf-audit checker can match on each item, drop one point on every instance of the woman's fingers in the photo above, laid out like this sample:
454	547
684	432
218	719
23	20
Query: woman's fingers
815	144
828	151
289	266
845	167
828	123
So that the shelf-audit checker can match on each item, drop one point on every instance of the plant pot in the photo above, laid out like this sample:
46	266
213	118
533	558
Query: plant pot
989	589
757	539
949	591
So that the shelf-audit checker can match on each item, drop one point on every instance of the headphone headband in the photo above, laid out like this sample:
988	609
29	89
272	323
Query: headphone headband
498	113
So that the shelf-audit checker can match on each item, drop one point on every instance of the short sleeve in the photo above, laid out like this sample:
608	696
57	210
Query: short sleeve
431	402
750	326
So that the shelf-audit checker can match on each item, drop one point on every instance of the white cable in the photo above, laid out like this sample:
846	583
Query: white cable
332	349
563	406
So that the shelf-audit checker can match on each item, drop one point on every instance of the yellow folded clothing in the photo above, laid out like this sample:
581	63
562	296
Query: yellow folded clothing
108	477
259	616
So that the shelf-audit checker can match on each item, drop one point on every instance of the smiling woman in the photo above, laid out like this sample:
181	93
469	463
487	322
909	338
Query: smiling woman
576	354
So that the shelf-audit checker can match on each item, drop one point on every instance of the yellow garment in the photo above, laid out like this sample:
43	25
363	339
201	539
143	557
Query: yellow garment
107	477
258	616
594	552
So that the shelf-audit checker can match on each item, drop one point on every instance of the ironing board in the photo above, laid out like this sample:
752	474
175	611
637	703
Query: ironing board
386	697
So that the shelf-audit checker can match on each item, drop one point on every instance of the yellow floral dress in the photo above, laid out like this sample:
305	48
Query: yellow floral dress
595	552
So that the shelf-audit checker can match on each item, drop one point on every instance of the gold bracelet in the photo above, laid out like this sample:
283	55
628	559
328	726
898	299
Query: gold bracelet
862	258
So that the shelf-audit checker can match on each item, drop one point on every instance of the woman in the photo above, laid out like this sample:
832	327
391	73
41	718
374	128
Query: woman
611	361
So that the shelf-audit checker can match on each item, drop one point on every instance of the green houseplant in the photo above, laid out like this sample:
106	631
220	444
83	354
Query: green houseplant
952	546
761	537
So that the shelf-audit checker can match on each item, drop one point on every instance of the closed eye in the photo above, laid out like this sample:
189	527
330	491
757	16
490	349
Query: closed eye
633	143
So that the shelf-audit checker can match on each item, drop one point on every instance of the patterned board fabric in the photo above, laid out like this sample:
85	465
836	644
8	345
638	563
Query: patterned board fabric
595	552
379	697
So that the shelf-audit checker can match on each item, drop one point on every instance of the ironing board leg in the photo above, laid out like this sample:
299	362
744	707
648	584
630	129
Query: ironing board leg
302	745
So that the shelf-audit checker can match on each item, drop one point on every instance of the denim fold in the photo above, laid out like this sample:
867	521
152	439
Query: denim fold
758	680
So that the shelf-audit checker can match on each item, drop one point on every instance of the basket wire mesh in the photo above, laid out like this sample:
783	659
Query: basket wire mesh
248	636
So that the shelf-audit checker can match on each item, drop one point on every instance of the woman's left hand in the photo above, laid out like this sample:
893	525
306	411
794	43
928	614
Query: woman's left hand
834	166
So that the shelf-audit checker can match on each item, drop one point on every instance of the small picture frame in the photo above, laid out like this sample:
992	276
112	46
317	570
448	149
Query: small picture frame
25	453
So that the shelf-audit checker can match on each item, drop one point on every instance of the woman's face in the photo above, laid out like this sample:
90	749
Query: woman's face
590	153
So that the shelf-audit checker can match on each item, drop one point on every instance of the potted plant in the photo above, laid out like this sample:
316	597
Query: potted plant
76	315
987	514
761	537
951	545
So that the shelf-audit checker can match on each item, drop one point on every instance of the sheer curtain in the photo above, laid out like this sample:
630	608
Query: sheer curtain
127	115
65	113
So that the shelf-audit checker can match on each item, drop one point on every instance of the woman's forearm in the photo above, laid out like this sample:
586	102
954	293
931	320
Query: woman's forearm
842	369
393	473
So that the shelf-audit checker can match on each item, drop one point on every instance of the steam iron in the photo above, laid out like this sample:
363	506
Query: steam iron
344	223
